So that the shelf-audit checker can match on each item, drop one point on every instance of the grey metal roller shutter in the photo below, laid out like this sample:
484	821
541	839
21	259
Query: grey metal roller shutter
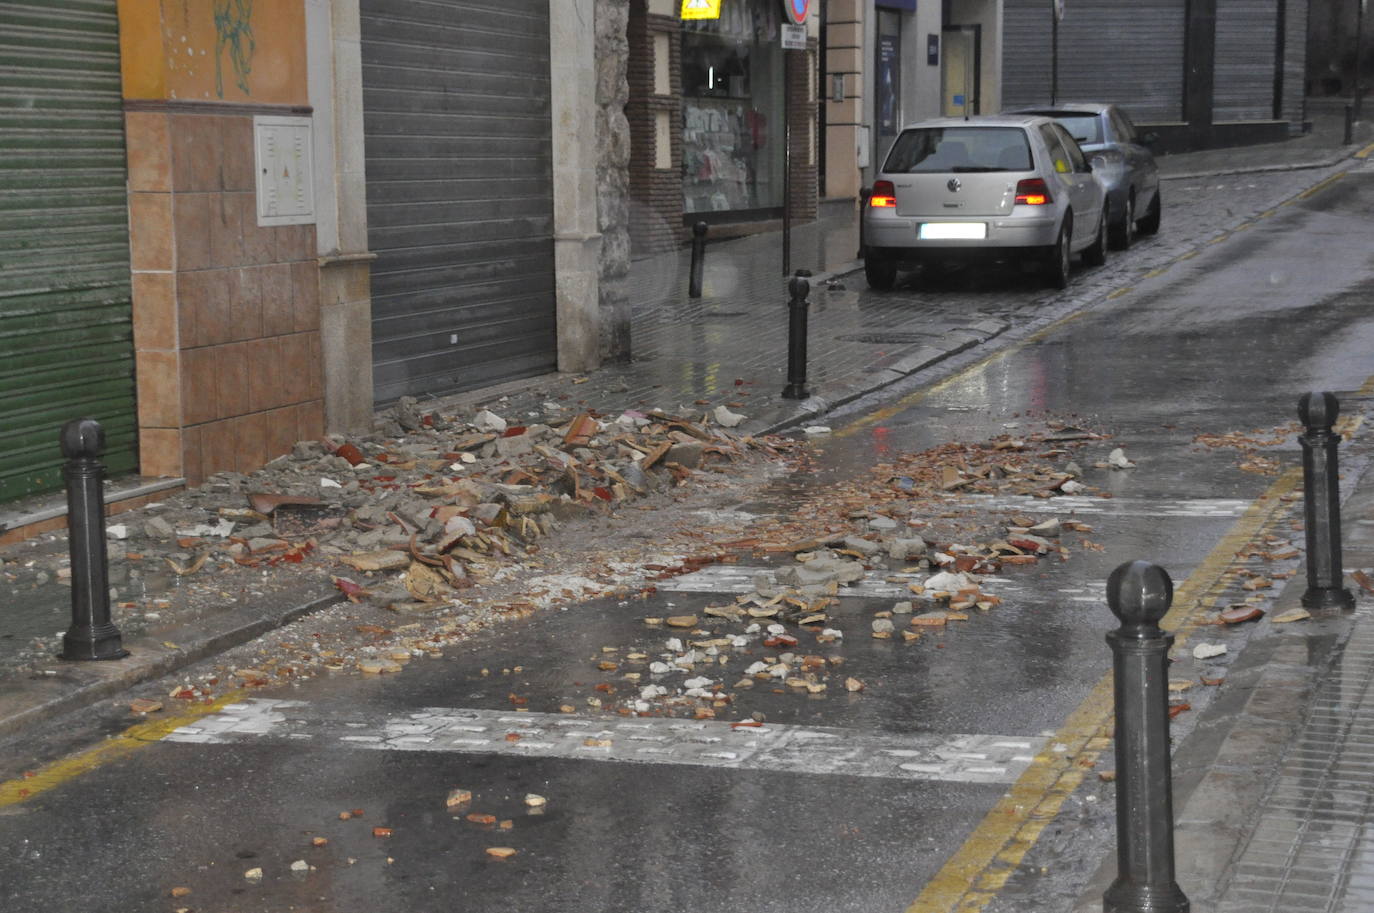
459	192
1294	108
1130	54
1026	27
1243	86
66	331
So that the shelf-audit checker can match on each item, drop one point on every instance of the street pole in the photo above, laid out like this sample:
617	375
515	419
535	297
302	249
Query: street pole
1054	52
787	162
1359	54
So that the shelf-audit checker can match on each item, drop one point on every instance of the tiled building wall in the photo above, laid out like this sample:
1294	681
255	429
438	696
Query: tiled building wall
226	313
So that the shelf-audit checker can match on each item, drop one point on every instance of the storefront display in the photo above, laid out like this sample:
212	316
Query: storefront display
732	87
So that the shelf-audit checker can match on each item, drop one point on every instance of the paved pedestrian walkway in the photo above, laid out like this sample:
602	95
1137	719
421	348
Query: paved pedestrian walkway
1274	788
730	347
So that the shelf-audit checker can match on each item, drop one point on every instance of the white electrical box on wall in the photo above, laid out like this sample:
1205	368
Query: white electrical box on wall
283	162
862	153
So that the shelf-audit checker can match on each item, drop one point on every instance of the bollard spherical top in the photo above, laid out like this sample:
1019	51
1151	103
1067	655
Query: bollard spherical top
82	438
699	229
1318	410
799	288
1139	593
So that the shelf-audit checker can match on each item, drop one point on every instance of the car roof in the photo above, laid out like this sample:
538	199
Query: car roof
981	120
1065	107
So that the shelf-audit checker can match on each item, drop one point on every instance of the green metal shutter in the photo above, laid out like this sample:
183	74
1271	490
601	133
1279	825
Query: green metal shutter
66	329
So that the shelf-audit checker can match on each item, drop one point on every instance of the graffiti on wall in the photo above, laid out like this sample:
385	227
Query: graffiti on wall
234	36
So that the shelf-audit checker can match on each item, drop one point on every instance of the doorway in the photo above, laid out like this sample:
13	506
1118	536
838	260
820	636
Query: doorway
959	76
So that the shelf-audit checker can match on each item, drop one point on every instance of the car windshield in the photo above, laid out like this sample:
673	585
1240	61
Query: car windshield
924	150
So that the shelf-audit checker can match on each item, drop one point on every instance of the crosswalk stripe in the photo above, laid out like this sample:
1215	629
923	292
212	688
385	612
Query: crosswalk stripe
820	750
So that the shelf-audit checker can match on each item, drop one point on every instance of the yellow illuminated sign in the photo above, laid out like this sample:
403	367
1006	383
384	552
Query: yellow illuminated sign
700	9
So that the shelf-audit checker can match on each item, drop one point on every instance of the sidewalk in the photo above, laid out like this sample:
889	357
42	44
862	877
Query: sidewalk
730	348
1274	786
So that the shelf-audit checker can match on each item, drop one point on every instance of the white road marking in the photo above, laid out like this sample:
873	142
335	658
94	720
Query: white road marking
1073	505
654	740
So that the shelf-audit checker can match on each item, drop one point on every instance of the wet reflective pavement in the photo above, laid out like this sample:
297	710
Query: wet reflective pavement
820	810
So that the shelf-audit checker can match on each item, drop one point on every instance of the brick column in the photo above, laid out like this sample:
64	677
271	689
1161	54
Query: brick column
655	115
801	96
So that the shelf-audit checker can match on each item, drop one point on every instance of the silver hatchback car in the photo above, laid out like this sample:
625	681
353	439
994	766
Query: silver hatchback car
1121	158
988	188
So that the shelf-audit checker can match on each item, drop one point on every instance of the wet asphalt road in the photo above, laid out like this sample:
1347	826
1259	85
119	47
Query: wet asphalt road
801	816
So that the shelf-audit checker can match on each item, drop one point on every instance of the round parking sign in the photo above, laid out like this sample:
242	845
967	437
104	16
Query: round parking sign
797	9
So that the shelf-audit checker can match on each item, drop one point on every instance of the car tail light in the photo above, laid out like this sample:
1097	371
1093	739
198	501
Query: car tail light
884	195
1033	192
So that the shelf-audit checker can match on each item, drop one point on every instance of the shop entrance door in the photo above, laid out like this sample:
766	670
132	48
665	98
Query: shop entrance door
959	71
888	116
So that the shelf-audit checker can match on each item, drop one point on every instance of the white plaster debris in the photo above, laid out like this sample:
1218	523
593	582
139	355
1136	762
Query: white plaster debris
489	421
1207	651
725	418
948	582
816	429
329	483
1117	460
219	530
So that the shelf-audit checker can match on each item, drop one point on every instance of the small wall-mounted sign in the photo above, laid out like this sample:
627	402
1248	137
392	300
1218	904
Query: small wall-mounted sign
797	9
700	9
283	161
837	87
933	50
793	37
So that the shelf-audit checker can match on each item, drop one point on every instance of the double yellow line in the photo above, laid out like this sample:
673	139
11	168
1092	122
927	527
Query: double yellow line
980	868
975	874
13	792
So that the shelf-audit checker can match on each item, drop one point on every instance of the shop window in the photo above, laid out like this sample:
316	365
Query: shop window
733	94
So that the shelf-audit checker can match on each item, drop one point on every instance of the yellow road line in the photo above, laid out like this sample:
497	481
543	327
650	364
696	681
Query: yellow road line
1364	153
1121	292
971	878
1318	188
13	792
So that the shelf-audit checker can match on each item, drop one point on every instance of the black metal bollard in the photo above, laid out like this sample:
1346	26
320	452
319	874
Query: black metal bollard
1349	125
698	260
799	288
864	196
1321	496
1139	594
92	634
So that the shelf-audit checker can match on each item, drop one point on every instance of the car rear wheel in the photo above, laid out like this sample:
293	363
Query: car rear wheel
1150	224
1123	227
1057	263
881	274
1095	254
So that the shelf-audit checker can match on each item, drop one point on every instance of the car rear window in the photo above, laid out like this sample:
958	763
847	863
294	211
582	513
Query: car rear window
1086	128
923	150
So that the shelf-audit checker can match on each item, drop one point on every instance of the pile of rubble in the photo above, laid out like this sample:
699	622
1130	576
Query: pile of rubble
448	505
783	634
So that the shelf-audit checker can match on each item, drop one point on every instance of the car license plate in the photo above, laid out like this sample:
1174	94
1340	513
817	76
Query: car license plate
956	231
